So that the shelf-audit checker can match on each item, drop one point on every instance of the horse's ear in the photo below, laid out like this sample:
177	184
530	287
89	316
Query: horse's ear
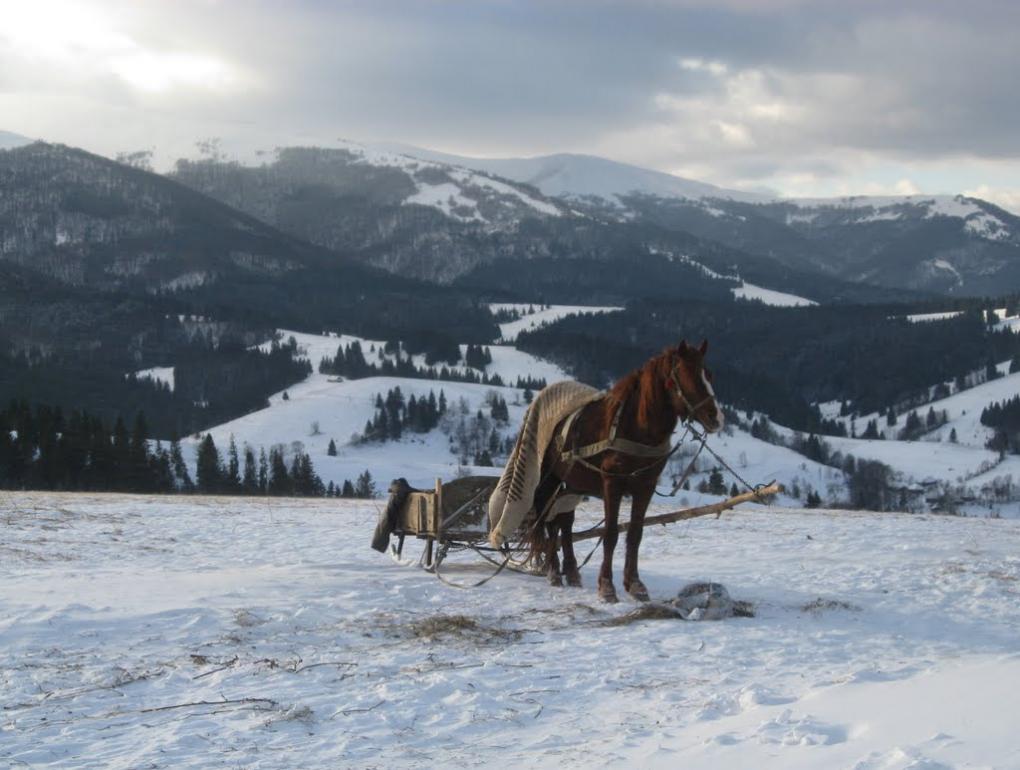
682	347
704	347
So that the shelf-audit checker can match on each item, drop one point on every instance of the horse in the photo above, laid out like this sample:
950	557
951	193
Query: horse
644	408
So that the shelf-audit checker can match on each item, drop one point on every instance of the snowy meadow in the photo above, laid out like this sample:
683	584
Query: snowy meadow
264	633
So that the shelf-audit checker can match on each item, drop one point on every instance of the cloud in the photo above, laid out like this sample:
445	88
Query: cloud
791	94
1007	198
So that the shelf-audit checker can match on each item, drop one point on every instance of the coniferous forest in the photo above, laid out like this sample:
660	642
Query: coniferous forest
780	361
41	447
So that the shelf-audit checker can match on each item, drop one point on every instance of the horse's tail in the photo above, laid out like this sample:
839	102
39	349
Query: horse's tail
537	541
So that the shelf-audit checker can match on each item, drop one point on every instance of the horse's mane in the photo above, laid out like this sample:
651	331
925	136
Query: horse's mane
646	382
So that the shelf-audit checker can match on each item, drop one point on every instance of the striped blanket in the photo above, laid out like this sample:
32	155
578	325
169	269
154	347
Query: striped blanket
514	496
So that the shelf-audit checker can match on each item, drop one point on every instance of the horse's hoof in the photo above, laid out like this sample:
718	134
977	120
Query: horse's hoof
638	591
607	593
554	579
574	578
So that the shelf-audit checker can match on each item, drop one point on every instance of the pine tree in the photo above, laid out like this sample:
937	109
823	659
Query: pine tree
232	482
250	480
138	472
331	449
365	486
180	469
716	483
209	469
263	471
279	478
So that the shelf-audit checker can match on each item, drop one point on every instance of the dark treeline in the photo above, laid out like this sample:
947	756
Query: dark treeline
42	448
394	415
350	362
217	378
1004	417
269	475
477	357
231	379
782	360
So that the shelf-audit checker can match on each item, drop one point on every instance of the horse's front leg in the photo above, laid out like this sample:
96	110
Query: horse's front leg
611	495
570	568
631	581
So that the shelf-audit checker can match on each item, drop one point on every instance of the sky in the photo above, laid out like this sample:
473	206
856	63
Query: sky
791	96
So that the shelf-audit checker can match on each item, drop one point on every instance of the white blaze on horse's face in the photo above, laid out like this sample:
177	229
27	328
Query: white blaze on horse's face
719	419
708	385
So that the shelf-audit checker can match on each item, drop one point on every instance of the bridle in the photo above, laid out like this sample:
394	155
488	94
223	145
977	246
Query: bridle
673	382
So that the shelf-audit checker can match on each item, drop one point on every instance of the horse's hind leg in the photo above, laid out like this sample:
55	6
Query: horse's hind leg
552	559
570	569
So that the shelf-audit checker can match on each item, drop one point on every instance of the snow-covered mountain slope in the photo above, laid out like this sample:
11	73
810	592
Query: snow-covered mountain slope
941	243
568	175
340	408
267	633
164	374
8	140
962	408
324	408
456	190
533	317
770	296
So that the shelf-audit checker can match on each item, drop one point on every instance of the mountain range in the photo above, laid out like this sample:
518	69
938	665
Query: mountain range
439	217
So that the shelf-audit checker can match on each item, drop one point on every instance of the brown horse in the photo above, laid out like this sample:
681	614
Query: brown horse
642	408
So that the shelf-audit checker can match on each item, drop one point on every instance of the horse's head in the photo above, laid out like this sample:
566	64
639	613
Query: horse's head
690	386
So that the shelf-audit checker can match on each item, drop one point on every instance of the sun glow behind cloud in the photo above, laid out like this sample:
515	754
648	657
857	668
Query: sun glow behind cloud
86	40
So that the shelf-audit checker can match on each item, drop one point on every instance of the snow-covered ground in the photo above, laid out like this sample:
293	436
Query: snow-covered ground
164	374
340	408
926	317
770	296
534	316
183	632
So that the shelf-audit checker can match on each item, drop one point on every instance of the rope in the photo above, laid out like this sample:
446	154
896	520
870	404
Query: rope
690	466
441	554
727	466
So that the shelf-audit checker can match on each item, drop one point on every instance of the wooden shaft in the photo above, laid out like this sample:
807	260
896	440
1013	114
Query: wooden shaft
689	513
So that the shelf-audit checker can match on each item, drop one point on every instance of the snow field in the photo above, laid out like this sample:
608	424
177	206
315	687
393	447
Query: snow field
194	632
341	409
770	296
164	374
541	317
448	197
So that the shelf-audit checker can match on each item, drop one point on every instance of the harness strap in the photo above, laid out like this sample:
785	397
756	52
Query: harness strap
623	445
612	443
